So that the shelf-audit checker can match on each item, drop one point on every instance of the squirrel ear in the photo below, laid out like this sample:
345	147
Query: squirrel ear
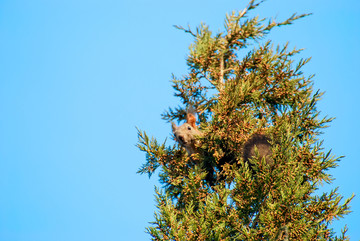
191	119
173	126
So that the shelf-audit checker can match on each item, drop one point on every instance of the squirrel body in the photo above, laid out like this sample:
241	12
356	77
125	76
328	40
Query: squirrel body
186	134
262	144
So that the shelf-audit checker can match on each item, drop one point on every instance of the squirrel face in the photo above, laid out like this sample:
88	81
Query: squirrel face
186	134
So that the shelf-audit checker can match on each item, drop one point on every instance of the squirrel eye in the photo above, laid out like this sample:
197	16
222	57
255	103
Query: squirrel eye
189	128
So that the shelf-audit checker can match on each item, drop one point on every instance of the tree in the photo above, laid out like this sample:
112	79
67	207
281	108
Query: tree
214	194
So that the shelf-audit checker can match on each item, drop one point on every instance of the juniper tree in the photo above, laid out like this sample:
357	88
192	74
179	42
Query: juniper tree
214	194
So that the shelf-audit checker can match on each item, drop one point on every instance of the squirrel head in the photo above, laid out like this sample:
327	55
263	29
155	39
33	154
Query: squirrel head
186	134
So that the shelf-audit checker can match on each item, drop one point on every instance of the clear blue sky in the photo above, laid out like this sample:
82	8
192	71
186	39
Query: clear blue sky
77	76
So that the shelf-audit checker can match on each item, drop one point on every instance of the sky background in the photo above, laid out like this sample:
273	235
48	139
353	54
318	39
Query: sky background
77	77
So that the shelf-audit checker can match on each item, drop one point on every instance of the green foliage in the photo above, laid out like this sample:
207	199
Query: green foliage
214	194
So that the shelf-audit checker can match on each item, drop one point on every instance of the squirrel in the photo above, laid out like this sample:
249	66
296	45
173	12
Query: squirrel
186	135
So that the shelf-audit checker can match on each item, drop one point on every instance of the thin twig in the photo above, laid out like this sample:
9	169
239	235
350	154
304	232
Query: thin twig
185	30
221	78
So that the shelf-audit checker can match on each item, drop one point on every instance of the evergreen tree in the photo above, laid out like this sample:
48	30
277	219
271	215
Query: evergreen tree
214	194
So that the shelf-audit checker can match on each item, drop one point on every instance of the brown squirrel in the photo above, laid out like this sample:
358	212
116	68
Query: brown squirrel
186	134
